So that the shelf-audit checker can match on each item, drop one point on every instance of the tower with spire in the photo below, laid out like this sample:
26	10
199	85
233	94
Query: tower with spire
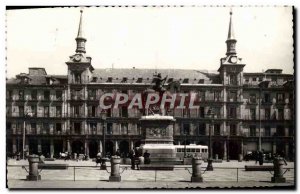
231	66
79	65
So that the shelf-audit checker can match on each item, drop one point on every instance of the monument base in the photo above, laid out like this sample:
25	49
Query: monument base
278	180
197	179
33	177
114	178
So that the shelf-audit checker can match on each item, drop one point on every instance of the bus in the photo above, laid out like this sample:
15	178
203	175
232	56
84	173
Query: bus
191	150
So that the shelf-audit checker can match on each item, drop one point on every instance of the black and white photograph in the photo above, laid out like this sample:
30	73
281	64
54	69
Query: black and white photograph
150	97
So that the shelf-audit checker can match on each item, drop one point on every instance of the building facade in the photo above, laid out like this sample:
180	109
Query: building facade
50	114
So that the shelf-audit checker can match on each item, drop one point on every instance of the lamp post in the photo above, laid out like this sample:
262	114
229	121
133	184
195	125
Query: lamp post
210	115
24	134
104	159
185	134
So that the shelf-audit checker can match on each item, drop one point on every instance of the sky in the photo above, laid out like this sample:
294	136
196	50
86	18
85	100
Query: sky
152	37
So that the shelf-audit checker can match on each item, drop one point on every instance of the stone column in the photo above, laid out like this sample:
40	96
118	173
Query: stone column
116	147
51	148
100	147
225	151
64	146
39	146
69	148
131	145
115	169
86	147
287	151
274	147
14	145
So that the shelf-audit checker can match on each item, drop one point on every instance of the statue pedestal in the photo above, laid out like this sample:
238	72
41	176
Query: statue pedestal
158	138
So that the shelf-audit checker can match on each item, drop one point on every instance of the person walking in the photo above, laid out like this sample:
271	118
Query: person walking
147	157
131	156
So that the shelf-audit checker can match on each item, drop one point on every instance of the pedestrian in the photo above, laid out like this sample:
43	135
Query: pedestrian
98	158
256	156
147	157
261	158
131	156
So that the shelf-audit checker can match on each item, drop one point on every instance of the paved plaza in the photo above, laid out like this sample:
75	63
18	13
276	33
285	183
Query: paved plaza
87	175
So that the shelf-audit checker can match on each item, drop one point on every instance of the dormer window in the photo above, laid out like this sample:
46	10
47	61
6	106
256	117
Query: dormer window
139	80
124	80
109	79
201	81
185	81
94	79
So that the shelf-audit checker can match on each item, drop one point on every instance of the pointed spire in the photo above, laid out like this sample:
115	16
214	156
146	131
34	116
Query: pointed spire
80	40
80	34
231	41
230	31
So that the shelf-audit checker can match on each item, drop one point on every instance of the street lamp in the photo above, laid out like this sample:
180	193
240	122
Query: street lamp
103	160
210	115
185	134
261	85
24	133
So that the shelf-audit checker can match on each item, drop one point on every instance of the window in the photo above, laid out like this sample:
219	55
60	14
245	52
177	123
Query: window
124	80
280	130
233	79
46	111
58	111
8	127
109	79
232	129
202	129
77	128
254	79
253	114
267	98
21	111
253	130
21	94
201	96
201	81
260	79
45	128
33	94
33	111
124	111
267	131
280	97
201	112
232	96
46	95
124	128
217	95
108	112
92	111
186	112
140	80
217	129
185	81
76	111
58	128
92	94
267	113
109	129
77	78
291	98
291	131
280	114
186	129
58	95
232	113
93	128
9	94
252	98
33	128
